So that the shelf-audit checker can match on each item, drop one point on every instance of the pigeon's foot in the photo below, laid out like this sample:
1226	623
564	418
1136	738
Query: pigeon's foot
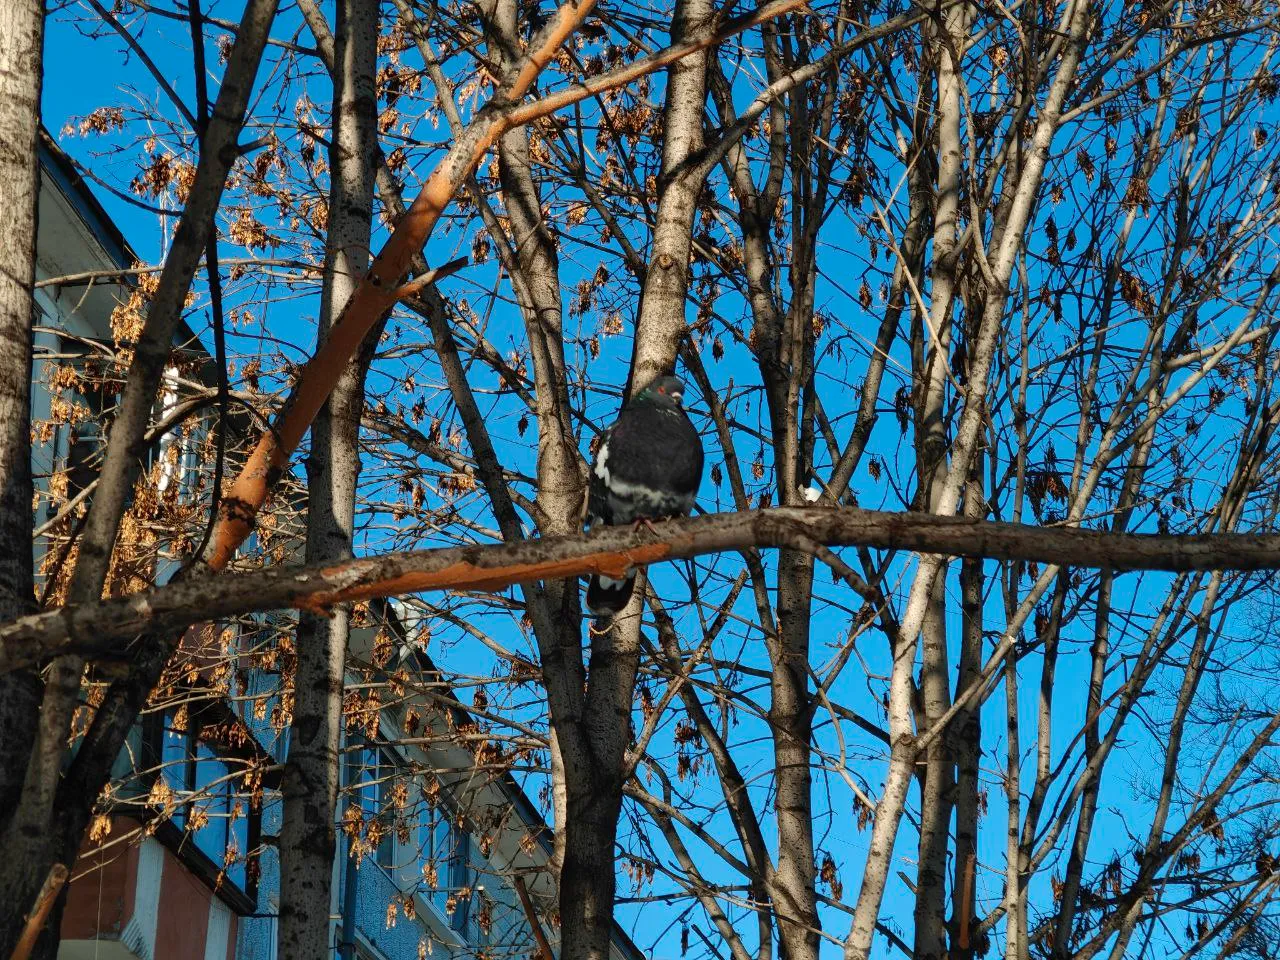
644	523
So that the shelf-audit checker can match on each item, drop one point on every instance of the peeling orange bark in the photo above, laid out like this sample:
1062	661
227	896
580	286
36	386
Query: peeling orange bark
374	297
470	576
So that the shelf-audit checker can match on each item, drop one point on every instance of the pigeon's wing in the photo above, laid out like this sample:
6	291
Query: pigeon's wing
659	449
605	596
648	464
686	459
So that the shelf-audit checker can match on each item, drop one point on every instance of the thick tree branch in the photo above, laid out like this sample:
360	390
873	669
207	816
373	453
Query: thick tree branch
94	628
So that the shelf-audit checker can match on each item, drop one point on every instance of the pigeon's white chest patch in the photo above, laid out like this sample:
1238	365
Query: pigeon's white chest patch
601	468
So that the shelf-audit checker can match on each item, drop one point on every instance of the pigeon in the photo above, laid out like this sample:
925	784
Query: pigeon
647	467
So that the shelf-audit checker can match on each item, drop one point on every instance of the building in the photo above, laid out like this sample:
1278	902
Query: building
450	860
145	885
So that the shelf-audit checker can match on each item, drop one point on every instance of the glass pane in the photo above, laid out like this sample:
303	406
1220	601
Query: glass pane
461	879
238	844
440	846
175	756
212	786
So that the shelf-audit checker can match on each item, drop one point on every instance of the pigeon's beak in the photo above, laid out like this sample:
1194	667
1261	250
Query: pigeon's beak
678	397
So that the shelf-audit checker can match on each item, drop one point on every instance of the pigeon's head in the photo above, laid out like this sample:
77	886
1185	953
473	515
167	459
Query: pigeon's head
664	391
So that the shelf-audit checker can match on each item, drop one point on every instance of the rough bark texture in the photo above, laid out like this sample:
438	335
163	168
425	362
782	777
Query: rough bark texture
933	366
965	736
22	27
660	322
791	721
312	770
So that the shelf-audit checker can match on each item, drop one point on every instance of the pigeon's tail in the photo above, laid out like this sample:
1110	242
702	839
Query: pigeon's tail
607	597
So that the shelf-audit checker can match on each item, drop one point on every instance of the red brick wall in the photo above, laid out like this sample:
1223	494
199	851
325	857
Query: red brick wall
100	896
184	913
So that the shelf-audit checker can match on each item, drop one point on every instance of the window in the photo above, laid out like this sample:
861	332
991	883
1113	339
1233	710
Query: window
175	759
209	807
430	828
218	819
462	878
178	451
436	845
369	778
67	406
448	871
83	445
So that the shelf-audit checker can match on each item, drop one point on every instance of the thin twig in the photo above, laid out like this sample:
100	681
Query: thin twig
121	274
422	281
544	948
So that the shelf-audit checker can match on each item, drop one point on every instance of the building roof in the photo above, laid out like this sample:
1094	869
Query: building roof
85	214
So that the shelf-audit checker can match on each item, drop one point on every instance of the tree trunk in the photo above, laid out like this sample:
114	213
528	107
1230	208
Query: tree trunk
594	792
931	443
312	770
660	323
965	739
791	725
22	26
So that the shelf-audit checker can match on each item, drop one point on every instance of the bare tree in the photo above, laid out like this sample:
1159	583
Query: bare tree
917	261
54	805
